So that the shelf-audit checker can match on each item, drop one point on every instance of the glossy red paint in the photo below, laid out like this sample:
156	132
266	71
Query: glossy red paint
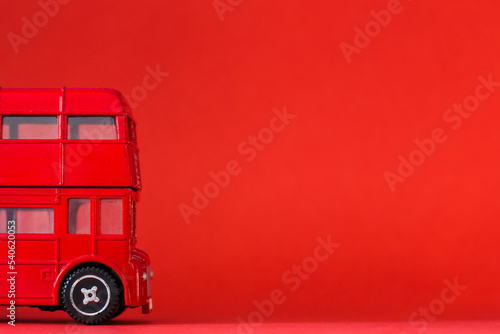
68	191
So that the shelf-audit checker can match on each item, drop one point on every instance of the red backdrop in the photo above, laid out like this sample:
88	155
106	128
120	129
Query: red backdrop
389	145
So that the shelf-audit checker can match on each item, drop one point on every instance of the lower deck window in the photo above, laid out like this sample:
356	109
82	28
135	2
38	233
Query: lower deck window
27	220
79	216
111	216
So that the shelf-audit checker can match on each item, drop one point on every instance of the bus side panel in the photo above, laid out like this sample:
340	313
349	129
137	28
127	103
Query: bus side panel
30	100
30	164
96	164
33	271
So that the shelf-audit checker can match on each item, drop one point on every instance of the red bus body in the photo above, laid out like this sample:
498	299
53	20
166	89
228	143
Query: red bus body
69	176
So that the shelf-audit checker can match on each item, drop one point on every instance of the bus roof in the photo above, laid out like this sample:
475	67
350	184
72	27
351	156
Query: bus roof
86	101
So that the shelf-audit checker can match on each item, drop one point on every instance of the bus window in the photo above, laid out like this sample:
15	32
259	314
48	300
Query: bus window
3	221
79	216
111	216
29	127
37	220
92	128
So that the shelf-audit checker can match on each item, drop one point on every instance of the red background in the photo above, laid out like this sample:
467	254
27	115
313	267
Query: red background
323	175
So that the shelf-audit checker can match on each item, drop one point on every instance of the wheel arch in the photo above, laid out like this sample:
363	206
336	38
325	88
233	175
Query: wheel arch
101	263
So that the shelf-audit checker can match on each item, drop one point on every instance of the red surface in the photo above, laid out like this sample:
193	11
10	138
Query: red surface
285	328
322	173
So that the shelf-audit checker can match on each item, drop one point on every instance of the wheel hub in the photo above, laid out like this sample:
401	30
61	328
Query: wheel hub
90	295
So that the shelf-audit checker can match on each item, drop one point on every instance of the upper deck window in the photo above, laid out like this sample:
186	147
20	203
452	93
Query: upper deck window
29	127
92	127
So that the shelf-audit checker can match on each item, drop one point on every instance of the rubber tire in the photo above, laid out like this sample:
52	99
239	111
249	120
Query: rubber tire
89	277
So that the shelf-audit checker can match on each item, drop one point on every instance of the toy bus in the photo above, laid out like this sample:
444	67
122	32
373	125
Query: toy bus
69	184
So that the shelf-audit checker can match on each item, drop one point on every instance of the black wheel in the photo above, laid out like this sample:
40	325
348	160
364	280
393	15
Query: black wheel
90	295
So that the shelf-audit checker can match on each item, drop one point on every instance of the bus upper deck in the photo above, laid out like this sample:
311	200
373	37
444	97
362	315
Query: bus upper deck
67	138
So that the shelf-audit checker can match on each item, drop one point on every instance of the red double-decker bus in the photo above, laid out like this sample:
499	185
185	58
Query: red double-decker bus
69	181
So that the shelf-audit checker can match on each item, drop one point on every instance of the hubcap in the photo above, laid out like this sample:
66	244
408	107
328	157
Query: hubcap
90	295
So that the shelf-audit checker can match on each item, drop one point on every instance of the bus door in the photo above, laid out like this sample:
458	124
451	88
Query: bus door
112	234
77	229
